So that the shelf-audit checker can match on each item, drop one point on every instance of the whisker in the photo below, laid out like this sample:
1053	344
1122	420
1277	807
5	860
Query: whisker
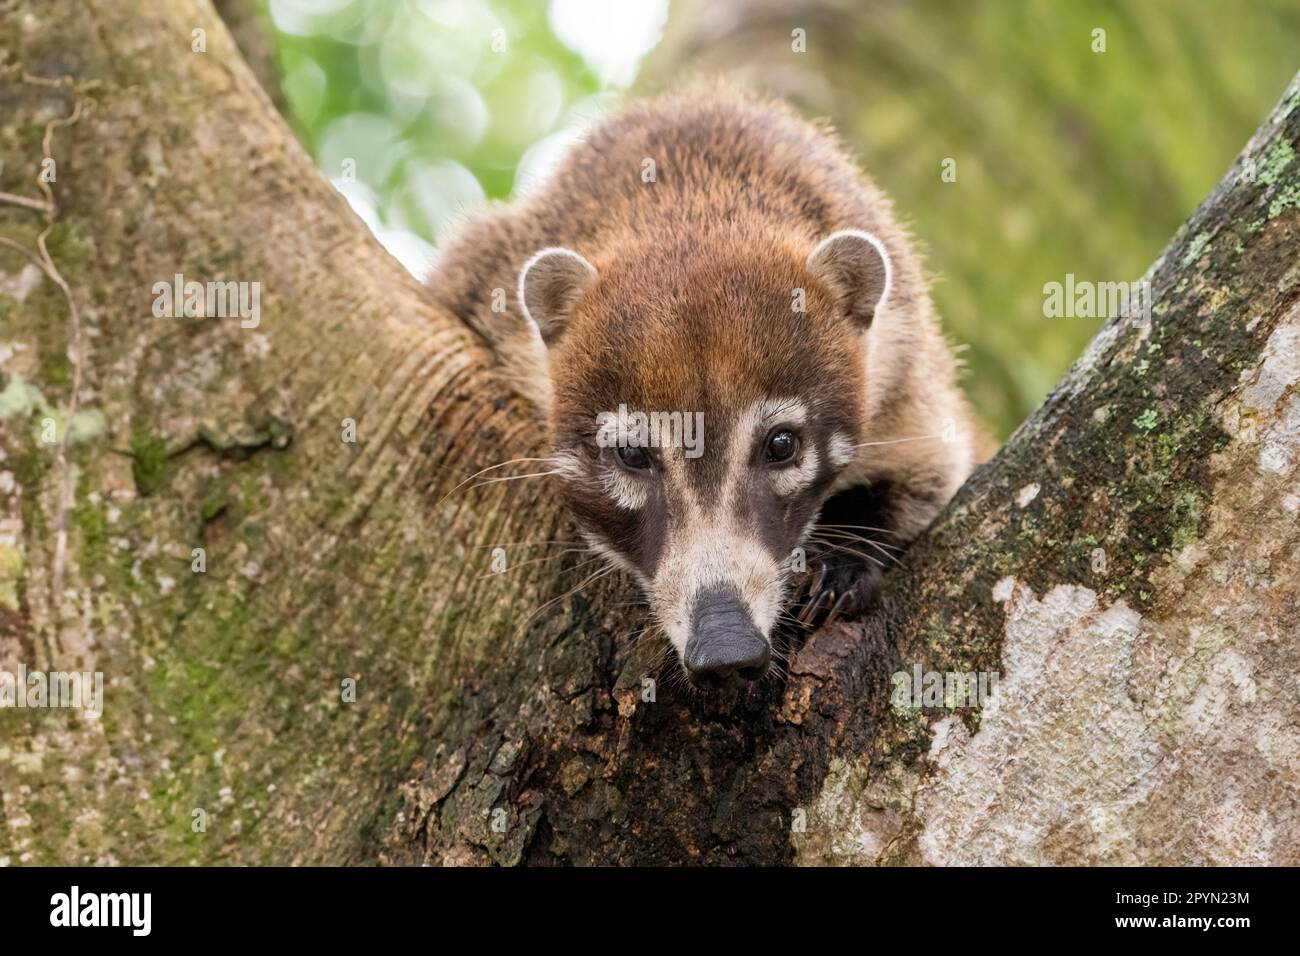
573	590
898	441
861	556
777	673
484	471
550	557
851	536
859	527
846	550
854	537
493	481
853	527
526	544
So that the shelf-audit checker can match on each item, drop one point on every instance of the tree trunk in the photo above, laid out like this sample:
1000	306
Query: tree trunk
1129	563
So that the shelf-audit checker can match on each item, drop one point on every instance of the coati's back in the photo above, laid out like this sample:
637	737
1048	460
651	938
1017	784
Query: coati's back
712	253
681	170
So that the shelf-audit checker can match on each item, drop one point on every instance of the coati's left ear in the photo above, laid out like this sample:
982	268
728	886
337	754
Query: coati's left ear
550	284
855	267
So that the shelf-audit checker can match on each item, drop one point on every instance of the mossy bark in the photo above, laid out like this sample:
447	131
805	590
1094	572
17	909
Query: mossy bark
1133	702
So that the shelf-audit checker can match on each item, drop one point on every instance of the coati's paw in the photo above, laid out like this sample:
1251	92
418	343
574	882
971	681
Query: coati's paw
835	586
848	551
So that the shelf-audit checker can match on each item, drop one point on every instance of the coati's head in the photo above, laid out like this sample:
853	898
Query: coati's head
746	359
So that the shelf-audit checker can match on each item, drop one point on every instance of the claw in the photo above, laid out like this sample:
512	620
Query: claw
837	608
815	607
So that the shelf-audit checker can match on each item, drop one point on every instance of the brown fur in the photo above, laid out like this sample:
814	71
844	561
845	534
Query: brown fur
692	307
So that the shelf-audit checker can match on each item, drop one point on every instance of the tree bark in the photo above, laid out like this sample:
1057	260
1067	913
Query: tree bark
1146	710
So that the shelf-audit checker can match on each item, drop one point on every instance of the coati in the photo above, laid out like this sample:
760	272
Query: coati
711	252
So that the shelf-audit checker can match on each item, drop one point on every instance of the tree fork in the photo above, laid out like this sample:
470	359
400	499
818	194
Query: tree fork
1146	710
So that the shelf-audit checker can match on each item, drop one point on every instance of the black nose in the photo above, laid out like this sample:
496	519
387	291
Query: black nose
724	644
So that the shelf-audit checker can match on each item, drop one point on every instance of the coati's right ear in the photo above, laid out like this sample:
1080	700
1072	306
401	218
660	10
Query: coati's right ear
855	267
550	284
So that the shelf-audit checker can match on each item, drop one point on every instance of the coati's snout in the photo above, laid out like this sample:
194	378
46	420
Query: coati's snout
725	645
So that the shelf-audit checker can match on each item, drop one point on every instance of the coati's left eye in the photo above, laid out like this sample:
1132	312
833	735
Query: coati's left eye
633	457
782	446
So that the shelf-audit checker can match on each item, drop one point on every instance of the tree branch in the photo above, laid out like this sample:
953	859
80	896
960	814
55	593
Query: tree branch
1135	704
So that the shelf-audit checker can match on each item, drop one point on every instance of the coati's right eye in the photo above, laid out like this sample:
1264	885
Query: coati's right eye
633	457
781	446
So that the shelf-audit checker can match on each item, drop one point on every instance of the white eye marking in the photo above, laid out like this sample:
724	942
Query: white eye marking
613	557
788	411
568	465
793	479
785	411
628	492
841	451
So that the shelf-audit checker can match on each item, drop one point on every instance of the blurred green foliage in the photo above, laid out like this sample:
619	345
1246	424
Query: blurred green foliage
1068	160
419	110
437	84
